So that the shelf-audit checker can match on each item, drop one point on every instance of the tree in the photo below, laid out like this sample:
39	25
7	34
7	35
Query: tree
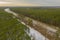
30	21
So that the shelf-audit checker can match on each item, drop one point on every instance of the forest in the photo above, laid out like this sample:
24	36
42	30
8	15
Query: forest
50	16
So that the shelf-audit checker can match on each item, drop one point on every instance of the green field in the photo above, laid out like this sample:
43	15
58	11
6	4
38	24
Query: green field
50	16
10	28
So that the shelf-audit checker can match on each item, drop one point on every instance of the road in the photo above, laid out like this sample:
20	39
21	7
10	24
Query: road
47	27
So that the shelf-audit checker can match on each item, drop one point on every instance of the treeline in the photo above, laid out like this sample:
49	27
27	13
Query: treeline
50	16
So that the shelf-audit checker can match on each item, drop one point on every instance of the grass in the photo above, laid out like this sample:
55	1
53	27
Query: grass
50	16
10	28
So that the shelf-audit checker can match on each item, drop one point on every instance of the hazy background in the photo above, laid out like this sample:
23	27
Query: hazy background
29	2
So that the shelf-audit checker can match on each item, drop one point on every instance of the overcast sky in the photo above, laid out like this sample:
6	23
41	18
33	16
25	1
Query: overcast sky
32	2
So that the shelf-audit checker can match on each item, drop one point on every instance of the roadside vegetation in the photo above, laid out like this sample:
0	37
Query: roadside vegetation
11	29
49	16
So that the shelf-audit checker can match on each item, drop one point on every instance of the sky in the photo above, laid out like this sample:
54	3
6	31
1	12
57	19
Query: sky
29	2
